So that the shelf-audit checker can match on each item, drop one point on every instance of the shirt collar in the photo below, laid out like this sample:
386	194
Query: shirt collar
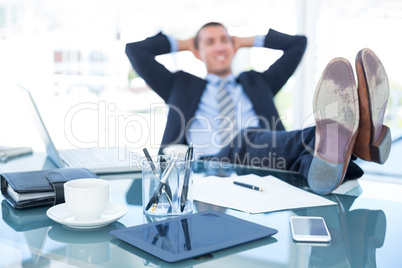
215	79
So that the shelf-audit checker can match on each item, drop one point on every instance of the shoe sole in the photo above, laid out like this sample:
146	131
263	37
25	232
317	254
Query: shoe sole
336	112
374	139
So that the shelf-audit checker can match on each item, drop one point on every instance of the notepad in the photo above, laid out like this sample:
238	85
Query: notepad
29	196
277	194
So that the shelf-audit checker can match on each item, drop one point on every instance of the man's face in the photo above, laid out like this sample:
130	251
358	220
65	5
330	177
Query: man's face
216	50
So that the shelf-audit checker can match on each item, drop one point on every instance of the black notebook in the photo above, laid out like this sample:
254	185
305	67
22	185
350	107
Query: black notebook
39	187
193	235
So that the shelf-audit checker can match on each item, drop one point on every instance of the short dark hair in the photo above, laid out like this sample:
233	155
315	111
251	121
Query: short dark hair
209	24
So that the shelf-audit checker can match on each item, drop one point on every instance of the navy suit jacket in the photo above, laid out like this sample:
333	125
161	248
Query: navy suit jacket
182	91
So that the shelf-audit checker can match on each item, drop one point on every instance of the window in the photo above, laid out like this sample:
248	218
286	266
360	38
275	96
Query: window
73	51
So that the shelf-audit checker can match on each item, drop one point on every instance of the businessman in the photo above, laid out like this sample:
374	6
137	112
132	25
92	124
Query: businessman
235	118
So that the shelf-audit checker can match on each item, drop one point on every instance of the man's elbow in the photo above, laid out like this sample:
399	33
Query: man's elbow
302	42
129	49
134	53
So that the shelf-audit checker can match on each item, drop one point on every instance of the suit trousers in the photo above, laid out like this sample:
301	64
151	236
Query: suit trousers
285	150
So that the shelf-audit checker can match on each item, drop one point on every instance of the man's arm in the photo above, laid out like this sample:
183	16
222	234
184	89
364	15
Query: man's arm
293	47
187	44
142	57
240	42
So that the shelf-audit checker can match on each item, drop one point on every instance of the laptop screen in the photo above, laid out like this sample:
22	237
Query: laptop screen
51	150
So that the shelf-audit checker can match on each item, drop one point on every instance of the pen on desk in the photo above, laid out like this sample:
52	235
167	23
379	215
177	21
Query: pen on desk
184	192
253	187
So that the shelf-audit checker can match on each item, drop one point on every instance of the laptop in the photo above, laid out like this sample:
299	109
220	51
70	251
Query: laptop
100	161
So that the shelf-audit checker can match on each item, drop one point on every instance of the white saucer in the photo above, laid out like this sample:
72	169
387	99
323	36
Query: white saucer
62	215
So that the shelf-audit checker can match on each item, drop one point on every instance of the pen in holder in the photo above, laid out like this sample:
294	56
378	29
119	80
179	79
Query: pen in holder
163	181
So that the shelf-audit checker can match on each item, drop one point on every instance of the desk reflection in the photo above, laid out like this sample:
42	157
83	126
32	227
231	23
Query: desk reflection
356	234
91	246
82	246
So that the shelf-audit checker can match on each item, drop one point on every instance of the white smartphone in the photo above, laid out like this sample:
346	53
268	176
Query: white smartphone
309	229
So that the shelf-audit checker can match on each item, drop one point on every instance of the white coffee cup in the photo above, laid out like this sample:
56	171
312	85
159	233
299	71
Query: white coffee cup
86	198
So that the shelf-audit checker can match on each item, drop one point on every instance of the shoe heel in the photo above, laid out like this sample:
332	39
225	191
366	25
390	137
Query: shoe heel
324	176
380	150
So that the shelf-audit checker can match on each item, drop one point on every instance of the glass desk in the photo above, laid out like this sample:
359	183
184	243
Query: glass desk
365	232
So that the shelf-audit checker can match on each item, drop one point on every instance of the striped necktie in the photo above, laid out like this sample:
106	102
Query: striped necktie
228	121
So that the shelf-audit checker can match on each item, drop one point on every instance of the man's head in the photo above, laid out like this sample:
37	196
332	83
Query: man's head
214	46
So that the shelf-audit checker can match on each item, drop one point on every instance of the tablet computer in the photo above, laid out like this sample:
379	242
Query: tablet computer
193	235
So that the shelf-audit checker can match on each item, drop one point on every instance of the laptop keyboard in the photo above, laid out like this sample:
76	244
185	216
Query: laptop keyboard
96	157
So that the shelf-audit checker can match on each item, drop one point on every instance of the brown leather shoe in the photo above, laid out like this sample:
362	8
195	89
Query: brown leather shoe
336	111
373	143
